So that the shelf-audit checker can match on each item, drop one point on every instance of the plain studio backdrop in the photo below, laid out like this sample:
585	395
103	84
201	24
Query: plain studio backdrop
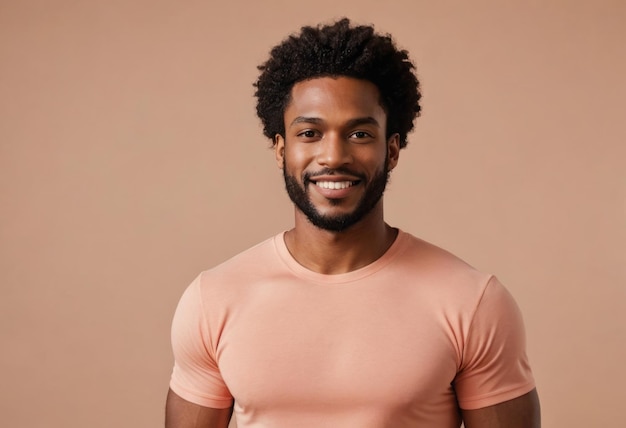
131	159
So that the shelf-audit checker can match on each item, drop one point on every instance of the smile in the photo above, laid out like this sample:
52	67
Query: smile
335	184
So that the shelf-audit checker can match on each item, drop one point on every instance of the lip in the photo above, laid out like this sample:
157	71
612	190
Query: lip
335	186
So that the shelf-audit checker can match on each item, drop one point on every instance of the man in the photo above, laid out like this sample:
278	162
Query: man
345	321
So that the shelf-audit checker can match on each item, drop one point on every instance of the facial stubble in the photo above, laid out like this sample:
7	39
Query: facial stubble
299	195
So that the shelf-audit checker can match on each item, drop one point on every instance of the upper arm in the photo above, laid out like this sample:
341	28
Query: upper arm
180	413
494	365
196	375
521	412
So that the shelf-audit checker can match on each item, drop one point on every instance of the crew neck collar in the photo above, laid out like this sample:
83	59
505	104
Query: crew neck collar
305	273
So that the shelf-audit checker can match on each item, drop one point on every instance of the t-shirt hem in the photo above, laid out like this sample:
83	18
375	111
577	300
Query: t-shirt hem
205	401
495	398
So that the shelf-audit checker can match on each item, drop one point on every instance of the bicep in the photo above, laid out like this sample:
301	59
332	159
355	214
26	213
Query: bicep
180	413
521	412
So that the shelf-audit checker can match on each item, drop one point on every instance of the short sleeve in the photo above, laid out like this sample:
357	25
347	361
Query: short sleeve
494	364
196	376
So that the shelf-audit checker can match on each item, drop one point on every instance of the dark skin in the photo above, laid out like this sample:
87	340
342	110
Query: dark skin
338	124
180	413
323	132
521	412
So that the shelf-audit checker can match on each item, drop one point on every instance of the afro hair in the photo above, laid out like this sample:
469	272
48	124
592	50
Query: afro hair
339	50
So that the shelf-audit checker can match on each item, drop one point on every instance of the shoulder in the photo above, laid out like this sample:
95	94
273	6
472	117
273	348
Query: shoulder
439	268
253	262
428	252
213	294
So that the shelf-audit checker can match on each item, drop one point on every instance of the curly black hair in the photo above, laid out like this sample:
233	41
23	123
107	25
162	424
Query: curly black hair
339	50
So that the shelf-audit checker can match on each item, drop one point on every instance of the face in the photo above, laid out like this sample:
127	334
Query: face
335	155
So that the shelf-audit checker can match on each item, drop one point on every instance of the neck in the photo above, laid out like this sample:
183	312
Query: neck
331	252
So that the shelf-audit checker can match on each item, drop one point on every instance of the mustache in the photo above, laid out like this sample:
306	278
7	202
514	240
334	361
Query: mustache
306	177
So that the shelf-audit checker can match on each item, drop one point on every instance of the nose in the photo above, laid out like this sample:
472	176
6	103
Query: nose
334	151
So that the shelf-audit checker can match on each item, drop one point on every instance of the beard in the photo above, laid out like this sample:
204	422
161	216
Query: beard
299	195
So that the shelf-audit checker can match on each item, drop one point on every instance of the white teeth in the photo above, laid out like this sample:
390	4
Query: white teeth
334	184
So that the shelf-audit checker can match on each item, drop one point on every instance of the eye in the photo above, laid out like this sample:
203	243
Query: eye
308	133
360	135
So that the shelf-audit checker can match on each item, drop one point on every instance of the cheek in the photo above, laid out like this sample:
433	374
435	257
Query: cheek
374	159
298	160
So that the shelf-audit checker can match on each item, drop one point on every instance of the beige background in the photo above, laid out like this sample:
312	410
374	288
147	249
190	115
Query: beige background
131	159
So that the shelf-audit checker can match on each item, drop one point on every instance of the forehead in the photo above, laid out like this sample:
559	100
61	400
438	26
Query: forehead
334	97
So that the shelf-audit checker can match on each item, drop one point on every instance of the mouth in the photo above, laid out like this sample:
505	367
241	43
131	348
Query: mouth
335	185
335	188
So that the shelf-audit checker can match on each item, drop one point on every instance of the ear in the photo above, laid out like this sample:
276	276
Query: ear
279	150
393	150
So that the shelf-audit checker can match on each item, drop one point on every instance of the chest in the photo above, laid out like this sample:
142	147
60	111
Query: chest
369	351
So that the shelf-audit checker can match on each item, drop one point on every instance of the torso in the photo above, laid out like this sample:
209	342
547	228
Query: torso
300	345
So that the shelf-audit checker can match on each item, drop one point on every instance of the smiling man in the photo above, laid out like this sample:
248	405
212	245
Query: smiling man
324	112
345	321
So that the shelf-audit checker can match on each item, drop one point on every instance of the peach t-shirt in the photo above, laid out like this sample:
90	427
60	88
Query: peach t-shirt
402	342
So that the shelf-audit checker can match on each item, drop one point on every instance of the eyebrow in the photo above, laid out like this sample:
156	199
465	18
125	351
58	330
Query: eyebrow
368	120
304	119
